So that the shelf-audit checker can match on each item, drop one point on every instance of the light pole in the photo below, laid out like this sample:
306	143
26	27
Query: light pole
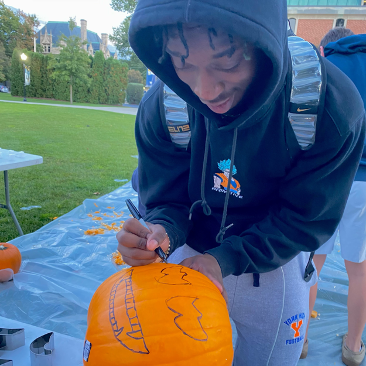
23	56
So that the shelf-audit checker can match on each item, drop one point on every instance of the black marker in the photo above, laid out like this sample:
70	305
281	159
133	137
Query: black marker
136	214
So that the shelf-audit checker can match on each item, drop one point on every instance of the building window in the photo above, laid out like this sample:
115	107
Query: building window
339	22
292	24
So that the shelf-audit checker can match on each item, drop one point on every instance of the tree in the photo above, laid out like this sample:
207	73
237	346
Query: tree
120	39
126	6
97	89
36	88
47	81
17	73
134	76
4	61
120	36
73	61
115	81
17	30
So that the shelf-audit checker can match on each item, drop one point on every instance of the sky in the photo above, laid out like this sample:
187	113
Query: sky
100	16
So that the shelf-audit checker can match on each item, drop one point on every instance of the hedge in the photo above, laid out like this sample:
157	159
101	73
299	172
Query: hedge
109	79
135	93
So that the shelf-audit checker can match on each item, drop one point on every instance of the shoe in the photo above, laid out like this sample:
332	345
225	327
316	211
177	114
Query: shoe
304	351
349	357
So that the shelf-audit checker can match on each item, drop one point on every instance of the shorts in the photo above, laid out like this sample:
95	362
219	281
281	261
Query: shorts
352	228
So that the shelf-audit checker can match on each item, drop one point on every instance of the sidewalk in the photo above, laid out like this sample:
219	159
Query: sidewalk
124	110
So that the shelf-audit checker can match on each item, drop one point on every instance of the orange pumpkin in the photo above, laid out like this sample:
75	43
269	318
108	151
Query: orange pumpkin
160	314
10	257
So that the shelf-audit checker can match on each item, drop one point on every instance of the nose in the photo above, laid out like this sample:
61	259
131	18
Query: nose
206	87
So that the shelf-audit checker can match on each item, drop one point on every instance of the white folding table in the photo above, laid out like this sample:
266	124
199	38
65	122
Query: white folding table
12	160
68	351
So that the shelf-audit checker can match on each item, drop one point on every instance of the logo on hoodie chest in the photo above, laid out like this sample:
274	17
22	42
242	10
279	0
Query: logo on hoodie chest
221	180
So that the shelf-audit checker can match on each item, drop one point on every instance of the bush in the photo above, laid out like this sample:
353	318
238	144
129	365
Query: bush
134	76
36	87
47	80
97	89
135	93
16	74
115	81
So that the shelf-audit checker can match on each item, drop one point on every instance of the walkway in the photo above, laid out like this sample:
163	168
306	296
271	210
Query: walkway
124	110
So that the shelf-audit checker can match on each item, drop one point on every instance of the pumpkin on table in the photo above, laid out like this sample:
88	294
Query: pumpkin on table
10	261
160	314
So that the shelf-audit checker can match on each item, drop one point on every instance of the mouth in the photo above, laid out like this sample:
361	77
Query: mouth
221	107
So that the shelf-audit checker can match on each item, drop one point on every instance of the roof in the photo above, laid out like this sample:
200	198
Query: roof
332	3
58	28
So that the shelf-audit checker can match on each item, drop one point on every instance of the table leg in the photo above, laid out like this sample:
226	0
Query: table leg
8	206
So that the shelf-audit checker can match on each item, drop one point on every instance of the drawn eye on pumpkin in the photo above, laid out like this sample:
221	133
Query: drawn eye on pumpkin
173	276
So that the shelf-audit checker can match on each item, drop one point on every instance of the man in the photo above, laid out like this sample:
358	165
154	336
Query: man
348	52
230	61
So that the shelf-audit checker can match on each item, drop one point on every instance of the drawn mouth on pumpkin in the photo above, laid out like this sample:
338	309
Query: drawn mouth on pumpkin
135	342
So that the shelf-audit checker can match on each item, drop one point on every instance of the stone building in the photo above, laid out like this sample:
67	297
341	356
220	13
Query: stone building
48	38
312	19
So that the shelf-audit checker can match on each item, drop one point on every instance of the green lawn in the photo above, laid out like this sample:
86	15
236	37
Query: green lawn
83	152
8	96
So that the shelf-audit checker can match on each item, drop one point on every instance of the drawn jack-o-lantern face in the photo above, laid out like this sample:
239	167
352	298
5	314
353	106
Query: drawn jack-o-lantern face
160	314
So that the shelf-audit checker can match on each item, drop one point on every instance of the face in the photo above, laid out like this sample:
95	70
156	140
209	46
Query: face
219	68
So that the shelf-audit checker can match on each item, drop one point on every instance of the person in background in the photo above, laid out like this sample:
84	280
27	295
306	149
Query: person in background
348	52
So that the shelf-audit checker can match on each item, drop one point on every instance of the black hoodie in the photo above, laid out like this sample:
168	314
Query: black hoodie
288	201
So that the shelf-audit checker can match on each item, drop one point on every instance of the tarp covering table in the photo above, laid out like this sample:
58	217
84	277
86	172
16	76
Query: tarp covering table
62	267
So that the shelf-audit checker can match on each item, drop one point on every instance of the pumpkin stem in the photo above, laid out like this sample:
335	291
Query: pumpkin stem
2	247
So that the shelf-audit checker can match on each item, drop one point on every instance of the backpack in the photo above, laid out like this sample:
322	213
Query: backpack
307	95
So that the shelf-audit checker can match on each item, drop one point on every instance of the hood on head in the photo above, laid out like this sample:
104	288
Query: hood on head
346	45
263	24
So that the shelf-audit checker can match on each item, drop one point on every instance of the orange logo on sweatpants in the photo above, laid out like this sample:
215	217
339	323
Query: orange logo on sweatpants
296	327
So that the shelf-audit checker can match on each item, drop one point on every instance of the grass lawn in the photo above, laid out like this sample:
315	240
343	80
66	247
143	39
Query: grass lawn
83	152
8	96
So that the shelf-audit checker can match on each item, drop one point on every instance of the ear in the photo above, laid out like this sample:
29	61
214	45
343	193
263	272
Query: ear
322	50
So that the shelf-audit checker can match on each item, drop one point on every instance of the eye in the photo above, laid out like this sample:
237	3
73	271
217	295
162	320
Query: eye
230	69
183	67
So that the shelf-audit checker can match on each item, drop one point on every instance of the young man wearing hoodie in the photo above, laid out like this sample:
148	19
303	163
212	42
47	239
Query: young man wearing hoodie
348	52
243	202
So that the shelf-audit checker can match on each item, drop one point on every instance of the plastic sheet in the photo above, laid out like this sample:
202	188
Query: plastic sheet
62	267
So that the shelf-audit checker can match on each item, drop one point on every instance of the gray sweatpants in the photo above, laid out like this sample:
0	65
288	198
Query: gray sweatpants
270	319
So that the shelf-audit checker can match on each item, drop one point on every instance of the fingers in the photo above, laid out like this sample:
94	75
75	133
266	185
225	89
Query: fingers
198	263
157	237
132	244
133	226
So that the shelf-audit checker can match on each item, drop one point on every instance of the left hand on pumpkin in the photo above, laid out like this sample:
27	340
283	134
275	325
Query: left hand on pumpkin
207	265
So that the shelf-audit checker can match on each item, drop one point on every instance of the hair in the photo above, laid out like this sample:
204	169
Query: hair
177	30
335	34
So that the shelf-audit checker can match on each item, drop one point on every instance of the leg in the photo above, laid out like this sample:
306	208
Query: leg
271	319
356	303
8	206
319	260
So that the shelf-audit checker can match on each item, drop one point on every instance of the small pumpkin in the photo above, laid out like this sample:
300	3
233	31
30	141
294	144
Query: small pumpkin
160	314
10	257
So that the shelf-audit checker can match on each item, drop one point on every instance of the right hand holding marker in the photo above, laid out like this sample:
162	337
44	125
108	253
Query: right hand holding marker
137	244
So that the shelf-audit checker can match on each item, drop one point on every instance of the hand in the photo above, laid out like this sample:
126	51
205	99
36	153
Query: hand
136	243
207	265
